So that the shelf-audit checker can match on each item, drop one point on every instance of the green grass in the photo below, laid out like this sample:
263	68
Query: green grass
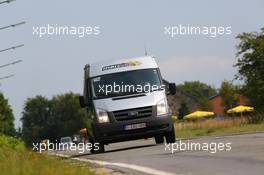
11	143
216	131
15	159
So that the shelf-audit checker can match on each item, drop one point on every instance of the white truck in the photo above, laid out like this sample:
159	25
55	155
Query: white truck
126	100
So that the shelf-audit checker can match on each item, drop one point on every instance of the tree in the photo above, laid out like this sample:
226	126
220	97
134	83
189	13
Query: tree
36	120
52	119
197	89
6	117
69	117
251	66
229	94
183	110
199	92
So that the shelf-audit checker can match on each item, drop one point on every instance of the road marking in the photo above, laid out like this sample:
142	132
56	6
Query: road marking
142	169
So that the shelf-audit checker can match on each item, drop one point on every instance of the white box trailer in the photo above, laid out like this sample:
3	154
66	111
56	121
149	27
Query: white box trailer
126	100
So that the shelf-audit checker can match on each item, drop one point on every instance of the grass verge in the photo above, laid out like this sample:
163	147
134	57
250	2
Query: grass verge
215	128
17	160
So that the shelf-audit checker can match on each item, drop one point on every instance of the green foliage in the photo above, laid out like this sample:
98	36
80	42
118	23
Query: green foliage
204	104
37	119
174	118
229	94
255	117
7	142
15	159
183	110
14	162
6	117
69	117
51	119
251	66
198	91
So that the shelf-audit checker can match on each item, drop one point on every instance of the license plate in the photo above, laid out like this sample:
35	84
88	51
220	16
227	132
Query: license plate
135	126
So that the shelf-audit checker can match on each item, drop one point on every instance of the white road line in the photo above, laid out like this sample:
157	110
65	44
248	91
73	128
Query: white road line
142	169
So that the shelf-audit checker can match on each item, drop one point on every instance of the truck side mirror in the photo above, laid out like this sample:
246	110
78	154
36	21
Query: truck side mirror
81	101
172	88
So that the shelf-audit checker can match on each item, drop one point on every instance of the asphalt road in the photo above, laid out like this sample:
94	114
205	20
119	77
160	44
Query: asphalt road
245	157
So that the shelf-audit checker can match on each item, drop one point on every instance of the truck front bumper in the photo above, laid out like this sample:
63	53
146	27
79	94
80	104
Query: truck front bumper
115	132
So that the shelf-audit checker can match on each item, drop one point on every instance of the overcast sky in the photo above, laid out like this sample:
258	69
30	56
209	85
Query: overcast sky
54	64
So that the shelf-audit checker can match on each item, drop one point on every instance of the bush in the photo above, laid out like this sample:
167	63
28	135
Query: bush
7	142
174	118
255	118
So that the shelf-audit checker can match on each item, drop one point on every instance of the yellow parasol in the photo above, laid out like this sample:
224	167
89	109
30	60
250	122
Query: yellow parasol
199	114
83	131
240	109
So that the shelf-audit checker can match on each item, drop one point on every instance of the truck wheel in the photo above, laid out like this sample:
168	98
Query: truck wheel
159	139
99	148
170	136
92	148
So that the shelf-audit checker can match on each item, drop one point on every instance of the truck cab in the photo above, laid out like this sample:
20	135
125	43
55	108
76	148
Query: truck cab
126	100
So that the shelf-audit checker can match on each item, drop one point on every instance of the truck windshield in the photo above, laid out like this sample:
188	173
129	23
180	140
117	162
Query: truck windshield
126	83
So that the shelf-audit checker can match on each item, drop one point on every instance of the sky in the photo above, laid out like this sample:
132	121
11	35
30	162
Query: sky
53	64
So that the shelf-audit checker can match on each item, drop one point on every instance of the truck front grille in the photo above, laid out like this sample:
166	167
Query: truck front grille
131	114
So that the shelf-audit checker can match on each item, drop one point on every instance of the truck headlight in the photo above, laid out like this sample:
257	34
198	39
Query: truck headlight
102	116
162	107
